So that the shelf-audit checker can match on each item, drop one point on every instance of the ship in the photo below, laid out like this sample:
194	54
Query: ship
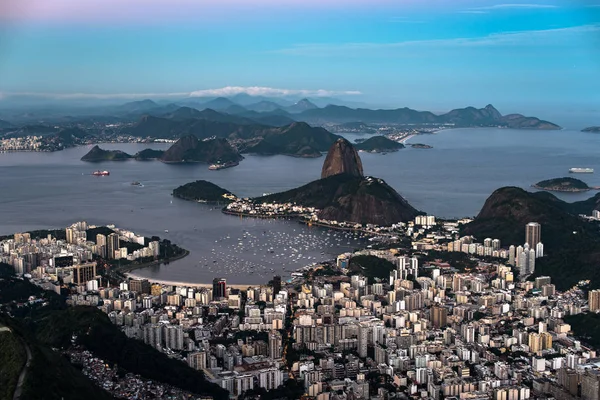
100	173
581	170
218	165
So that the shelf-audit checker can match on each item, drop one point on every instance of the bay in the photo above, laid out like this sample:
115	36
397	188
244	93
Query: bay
52	190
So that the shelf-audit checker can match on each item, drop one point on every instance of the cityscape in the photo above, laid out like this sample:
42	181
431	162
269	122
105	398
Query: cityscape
299	199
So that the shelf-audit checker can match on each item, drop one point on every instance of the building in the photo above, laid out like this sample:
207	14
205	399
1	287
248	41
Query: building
275	343
139	286
438	316
594	300
219	288
533	234
276	284
197	360
270	378
82	273
590	385
112	245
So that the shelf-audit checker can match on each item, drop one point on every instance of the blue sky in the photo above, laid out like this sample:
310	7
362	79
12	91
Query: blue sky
424	54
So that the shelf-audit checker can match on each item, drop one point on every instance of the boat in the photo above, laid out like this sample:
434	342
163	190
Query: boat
100	173
136	183
581	170
218	165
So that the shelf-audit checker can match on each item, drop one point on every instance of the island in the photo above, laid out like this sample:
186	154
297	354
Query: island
421	146
563	185
149	154
97	154
203	192
379	144
595	129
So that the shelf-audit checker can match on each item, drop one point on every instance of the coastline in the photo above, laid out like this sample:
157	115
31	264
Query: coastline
591	188
191	284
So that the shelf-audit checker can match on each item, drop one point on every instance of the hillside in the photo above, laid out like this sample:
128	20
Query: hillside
572	244
342	158
97	154
463	117
591	129
190	149
149	154
378	144
562	185
203	191
298	139
344	197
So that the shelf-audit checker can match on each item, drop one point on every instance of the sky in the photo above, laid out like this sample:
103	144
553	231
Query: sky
425	54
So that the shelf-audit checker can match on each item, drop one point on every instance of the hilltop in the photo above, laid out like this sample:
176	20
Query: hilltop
191	149
572	244
378	144
342	158
97	154
566	184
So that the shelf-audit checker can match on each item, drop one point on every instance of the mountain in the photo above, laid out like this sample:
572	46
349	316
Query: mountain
149	154
202	191
344	197
137	106
572	245
465	117
302	105
588	129
263	106
344	194
190	149
342	158
298	139
183	113
220	103
378	144
97	154
235	109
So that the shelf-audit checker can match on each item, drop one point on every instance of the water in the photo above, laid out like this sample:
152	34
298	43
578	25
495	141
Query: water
52	190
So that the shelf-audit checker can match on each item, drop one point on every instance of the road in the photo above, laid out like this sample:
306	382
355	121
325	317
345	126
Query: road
19	388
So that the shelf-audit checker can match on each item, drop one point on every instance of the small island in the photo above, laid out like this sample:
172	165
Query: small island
97	154
563	185
379	144
149	154
203	192
421	146
595	129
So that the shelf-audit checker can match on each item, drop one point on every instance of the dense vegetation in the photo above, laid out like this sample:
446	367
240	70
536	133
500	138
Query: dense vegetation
586	327
562	185
379	144
148	154
372	267
12	360
98	154
190	149
201	191
572	245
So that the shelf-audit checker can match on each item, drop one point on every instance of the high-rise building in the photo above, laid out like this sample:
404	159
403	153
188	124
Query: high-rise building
70	235
533	234
83	273
439	316
197	360
363	339
511	255
590	385
276	284
219	288
112	245
594	300
275	345
539	250
141	286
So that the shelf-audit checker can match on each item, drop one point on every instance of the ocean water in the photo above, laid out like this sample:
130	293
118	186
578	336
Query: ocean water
52	190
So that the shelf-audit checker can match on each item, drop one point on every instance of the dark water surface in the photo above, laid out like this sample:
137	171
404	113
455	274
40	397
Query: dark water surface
52	190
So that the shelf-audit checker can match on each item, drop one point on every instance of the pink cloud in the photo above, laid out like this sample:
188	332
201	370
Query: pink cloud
160	10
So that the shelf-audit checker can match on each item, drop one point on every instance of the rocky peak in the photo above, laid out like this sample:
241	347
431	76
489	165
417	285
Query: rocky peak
342	158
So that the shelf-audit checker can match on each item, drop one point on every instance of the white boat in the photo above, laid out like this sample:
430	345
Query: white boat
581	170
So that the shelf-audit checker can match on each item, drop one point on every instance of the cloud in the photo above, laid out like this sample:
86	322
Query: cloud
226	91
515	6
516	38
268	91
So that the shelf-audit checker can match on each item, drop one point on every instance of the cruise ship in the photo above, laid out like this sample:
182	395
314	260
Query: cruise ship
581	170
100	173
217	166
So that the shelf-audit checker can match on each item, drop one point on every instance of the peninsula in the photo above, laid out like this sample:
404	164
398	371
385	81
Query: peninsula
562	185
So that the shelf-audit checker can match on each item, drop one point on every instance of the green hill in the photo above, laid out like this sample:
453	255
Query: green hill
379	144
98	154
566	184
12	360
201	191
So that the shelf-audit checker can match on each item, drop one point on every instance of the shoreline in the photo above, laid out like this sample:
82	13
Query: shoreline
128	268
240	286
